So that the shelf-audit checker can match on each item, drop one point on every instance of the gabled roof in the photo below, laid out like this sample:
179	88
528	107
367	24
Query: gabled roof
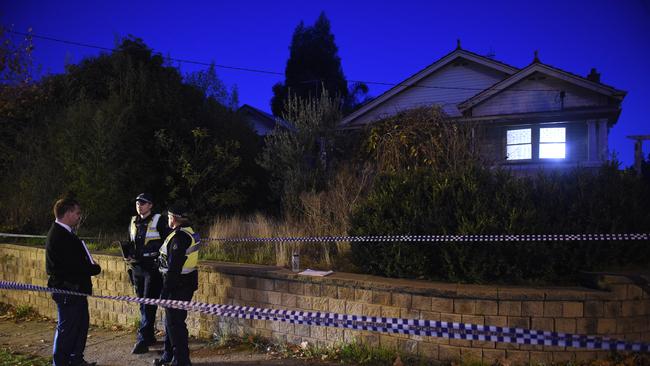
268	119
264	117
547	70
412	80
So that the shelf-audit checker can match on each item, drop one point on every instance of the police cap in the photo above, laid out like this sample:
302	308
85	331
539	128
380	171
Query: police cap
178	209
144	197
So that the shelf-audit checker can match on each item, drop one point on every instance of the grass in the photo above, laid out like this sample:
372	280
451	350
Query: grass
105	243
312	255
19	313
362	354
349	354
23	312
7	357
101	243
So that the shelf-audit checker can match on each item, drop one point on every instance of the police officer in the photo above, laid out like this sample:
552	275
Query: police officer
178	264
147	232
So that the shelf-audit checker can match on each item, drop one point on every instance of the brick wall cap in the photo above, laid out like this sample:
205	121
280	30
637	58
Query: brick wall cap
417	287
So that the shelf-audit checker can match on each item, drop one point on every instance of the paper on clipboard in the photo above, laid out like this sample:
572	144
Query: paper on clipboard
311	272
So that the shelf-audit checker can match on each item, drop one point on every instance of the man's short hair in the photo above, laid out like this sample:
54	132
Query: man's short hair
64	205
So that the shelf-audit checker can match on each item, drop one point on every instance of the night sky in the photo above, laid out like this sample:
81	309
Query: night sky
378	41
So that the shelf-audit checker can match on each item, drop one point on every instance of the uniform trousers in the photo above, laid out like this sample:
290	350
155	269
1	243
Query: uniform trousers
176	348
147	281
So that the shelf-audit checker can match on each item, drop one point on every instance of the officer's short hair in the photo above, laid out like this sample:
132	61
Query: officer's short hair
64	205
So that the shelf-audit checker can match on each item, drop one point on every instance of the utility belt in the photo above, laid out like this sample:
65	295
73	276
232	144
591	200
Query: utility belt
184	272
184	281
148	261
147	257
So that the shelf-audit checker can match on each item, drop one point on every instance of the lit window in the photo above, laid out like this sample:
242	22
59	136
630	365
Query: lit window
519	145
552	143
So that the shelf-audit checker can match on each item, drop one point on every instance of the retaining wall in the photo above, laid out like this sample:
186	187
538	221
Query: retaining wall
620	309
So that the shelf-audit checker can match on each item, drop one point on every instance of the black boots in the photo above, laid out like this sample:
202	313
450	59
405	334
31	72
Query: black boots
140	348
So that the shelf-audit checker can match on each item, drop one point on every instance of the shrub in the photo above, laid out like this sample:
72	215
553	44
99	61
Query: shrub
476	200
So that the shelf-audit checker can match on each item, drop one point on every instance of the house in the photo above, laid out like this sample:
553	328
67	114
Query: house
263	123
535	117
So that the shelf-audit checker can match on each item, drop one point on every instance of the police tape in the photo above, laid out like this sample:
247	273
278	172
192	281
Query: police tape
415	327
9	235
447	238
479	238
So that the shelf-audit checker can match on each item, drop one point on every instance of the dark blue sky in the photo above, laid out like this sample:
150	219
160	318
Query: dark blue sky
378	41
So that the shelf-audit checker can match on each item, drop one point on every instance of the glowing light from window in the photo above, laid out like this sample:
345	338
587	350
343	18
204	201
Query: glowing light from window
519	136
519	145
519	152
552	143
555	134
552	151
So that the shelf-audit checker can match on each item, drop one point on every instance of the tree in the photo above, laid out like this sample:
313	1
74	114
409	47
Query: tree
208	172
15	57
313	66
121	123
209	83
296	158
16	91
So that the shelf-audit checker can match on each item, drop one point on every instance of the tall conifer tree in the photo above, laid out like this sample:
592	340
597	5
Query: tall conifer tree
313	65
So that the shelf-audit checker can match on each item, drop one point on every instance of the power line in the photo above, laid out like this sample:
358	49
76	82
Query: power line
166	57
260	71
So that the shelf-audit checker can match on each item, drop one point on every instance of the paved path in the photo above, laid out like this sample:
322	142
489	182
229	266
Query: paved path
113	347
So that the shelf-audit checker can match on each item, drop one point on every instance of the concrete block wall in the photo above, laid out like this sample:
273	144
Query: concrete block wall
620	309
25	264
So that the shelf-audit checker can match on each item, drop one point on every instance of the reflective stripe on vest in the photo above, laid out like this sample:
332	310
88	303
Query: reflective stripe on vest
191	253
152	232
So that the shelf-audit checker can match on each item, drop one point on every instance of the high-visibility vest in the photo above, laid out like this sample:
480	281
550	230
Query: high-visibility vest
191	253
151	234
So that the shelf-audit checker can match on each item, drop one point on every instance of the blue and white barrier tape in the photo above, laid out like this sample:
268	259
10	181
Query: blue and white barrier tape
8	235
422	238
449	238
429	328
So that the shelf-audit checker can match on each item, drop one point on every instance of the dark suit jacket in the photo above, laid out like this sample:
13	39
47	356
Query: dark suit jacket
66	261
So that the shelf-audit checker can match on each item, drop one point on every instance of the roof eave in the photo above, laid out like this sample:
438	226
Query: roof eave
534	67
426	72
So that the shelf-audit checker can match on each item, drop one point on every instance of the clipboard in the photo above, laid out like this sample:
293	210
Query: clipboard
128	249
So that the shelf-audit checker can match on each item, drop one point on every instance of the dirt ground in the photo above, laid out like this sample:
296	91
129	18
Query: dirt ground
112	347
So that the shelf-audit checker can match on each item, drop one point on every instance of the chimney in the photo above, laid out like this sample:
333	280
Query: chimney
594	76
536	58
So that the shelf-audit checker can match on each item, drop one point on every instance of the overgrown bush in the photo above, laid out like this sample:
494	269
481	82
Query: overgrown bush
481	201
297	157
433	180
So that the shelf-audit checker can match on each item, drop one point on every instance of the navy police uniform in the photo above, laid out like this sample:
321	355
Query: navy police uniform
147	234
178	265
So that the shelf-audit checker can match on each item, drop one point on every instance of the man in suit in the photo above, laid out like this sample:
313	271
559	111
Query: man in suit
69	266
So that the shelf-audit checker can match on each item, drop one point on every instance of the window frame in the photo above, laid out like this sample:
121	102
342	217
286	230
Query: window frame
535	134
547	143
529	143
